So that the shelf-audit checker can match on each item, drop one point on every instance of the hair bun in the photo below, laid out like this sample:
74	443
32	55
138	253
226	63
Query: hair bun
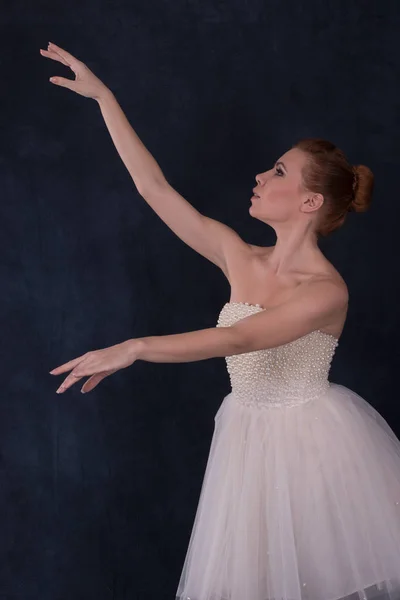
363	186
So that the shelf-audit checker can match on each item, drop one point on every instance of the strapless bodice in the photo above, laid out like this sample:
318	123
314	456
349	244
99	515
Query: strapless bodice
286	375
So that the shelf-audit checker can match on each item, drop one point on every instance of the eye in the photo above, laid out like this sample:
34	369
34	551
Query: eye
279	172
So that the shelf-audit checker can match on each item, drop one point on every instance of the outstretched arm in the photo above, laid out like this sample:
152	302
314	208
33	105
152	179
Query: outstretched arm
312	307
142	166
210	238
182	347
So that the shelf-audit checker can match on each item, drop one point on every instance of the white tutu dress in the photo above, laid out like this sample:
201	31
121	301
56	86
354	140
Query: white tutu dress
301	494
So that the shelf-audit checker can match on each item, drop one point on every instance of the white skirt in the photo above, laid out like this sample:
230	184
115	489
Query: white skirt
298	503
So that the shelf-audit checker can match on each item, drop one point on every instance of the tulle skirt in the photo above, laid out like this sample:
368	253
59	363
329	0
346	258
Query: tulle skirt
298	503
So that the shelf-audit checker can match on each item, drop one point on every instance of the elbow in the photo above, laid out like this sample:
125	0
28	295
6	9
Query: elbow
152	187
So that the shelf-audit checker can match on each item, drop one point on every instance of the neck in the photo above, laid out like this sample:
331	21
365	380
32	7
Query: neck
294	248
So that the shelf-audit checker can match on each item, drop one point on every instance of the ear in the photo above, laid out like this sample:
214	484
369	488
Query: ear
312	201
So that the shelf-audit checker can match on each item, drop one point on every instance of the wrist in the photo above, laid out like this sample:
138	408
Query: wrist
135	348
104	96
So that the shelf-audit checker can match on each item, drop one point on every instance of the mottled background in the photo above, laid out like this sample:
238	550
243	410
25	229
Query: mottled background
98	493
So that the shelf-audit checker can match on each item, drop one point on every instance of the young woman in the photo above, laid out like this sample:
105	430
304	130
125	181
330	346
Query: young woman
300	498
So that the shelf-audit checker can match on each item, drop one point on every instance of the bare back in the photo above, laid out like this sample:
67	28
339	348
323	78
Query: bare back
253	281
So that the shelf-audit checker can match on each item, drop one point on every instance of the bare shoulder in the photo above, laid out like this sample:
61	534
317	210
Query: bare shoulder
329	284
330	274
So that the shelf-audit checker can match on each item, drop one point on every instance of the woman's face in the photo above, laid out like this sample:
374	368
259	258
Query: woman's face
279	193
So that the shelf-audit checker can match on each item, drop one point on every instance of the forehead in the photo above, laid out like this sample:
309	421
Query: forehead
293	159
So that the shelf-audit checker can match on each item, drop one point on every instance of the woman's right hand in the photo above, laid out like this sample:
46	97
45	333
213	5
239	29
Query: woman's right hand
85	83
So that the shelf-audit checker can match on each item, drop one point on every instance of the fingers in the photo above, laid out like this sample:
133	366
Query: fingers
79	371
54	56
91	383
94	380
95	364
63	82
81	367
63	53
68	366
70	380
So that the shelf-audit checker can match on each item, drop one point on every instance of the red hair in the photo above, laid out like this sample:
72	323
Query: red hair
344	187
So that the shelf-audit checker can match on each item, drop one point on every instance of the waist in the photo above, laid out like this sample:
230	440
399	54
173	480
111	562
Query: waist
266	395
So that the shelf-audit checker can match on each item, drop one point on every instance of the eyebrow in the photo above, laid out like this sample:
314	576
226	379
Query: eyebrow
281	163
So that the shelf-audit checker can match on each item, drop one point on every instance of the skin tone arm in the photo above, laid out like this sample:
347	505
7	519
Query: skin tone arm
142	166
311	306
140	163
210	238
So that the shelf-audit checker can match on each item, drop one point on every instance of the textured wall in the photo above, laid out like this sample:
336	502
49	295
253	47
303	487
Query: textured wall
98	492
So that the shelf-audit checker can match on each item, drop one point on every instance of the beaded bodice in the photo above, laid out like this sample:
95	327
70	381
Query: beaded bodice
287	375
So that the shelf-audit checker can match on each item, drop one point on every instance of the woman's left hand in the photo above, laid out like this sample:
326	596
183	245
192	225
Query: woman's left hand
98	364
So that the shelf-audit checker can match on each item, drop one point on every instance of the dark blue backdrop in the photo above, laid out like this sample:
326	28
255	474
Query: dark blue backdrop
98	493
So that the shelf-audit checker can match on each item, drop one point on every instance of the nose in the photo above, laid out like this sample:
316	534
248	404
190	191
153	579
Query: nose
259	179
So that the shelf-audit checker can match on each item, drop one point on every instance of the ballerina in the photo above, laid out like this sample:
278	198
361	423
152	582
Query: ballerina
300	497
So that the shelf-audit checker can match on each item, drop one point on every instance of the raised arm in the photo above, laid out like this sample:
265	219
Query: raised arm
210	238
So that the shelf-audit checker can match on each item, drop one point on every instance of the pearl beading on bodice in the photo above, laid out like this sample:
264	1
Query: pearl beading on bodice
284	376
